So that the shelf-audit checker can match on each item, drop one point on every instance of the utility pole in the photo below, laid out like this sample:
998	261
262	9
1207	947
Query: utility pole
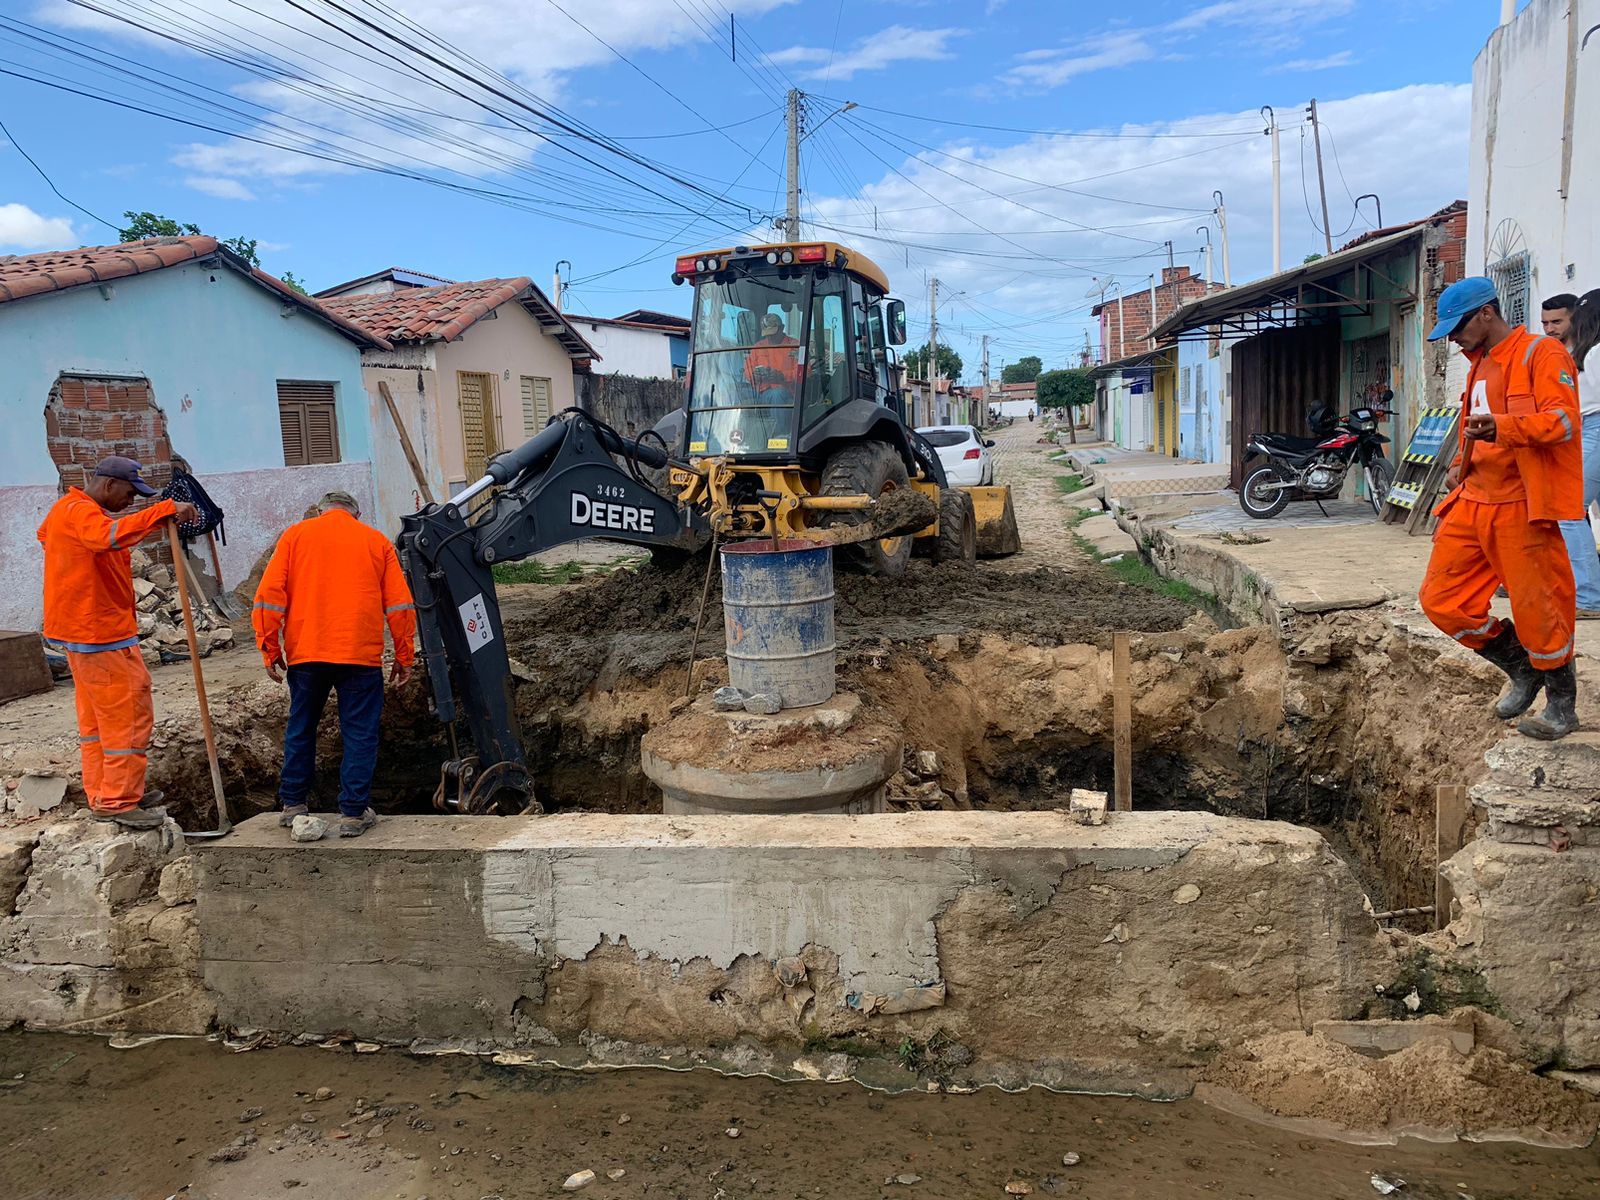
1222	227
560	287
1277	191
933	345
1322	183
1170	263
1150	333
791	221
1210	276
986	384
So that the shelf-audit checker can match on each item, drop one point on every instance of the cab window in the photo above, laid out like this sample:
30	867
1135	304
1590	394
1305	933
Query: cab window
827	383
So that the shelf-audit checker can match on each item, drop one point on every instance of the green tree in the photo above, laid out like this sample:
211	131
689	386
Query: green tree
1024	370
949	362
1066	389
1310	258
148	225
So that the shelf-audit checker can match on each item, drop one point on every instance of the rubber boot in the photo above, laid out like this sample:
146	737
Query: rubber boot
1560	715
1507	653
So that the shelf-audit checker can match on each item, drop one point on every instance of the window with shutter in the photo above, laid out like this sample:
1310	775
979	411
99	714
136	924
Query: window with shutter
309	420
478	426
535	404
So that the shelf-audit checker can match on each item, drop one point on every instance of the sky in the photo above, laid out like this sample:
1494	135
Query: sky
1032	155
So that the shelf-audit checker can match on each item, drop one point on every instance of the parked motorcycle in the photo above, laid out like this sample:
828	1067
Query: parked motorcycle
1314	468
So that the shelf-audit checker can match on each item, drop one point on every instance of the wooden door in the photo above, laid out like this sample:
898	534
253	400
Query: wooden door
479	442
535	404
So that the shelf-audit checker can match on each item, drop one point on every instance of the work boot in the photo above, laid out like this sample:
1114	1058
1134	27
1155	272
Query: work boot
290	812
132	818
356	826
1560	715
1511	657
153	800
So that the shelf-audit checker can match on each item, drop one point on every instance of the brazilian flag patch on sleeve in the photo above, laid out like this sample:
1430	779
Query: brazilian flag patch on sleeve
1565	378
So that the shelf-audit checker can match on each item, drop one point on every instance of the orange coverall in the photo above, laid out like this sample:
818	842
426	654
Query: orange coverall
1499	524
88	610
781	355
331	585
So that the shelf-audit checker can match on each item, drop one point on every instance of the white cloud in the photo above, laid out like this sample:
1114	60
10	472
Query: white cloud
23	229
880	49
1024	282
1341	58
220	187
1052	68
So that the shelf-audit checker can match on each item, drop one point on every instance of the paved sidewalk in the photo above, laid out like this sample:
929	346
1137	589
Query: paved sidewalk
1129	473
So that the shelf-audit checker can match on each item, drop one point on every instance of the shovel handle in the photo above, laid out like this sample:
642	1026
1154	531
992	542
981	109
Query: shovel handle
223	823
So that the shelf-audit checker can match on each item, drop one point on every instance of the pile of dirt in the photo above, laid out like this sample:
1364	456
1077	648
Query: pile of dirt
1429	1088
707	739
1045	606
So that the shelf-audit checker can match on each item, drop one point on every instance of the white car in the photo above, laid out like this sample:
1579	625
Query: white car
964	453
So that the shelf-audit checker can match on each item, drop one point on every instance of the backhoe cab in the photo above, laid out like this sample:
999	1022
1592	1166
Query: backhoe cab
794	425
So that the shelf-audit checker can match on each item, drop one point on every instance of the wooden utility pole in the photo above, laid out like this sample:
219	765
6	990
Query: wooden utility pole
1322	183
1121	723
791	220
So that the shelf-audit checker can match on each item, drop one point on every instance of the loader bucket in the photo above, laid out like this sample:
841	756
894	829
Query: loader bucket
997	521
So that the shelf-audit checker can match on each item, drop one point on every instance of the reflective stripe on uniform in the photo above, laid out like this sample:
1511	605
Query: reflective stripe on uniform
1567	422
113	542
273	607
97	647
397	608
123	753
1478	632
1561	653
92	738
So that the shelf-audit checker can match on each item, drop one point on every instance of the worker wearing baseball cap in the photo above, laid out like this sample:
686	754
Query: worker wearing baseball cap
319	616
1518	472
88	610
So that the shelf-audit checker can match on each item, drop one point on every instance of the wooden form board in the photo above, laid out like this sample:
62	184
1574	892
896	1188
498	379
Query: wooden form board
1450	811
1122	722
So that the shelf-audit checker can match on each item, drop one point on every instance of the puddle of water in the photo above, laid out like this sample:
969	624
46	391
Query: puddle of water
92	1123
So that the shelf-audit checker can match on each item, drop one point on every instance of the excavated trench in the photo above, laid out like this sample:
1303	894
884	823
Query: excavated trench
1344	723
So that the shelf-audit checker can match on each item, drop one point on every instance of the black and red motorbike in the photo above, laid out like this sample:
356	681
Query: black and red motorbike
1314	468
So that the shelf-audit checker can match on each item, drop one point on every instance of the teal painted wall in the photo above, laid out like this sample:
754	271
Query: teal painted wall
213	346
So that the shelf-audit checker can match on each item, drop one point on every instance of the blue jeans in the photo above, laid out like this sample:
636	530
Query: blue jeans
1578	534
360	705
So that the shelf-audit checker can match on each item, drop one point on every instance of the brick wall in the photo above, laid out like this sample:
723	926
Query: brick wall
85	420
1178	287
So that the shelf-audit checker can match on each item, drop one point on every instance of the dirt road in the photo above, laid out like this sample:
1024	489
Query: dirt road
87	1122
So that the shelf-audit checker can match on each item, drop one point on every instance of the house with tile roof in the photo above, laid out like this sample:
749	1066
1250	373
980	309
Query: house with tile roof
474	368
643	344
167	348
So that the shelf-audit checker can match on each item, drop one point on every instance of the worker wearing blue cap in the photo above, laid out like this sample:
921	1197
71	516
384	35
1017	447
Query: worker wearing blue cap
1518	472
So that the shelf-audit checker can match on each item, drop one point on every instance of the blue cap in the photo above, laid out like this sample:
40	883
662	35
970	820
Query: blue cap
125	469
1462	300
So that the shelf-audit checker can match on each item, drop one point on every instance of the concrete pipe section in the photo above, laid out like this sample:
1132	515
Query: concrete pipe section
833	757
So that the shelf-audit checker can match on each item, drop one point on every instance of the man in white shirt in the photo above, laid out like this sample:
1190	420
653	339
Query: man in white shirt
1559	317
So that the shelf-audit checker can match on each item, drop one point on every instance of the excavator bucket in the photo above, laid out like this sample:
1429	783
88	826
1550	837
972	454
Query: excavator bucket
997	521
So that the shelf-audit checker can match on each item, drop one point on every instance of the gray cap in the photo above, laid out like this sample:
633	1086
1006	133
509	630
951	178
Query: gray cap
341	499
125	469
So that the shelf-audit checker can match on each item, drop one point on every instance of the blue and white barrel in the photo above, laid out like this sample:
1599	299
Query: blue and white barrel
777	611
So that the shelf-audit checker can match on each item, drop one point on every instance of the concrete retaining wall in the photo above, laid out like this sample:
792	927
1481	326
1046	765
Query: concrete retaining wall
1144	944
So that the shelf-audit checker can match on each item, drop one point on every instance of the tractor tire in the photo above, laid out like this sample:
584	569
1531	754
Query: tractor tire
958	528
867	469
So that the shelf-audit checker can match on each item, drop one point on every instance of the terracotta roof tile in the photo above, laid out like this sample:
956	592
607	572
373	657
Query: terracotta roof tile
427	314
25	275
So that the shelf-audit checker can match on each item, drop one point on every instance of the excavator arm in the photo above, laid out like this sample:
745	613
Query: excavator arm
560	486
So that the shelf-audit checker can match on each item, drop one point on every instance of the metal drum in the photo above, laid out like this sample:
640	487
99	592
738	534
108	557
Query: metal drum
777	610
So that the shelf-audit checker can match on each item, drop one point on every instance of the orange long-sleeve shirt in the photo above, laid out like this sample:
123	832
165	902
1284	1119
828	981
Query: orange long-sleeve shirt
331	585
88	582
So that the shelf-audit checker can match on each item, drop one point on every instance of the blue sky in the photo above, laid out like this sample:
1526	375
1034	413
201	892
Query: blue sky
1026	152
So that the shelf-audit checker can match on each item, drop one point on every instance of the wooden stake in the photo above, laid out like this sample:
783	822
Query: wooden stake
1122	722
405	442
1450	809
223	823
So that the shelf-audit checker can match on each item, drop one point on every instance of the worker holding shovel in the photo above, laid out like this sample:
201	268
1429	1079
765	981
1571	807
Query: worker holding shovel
89	611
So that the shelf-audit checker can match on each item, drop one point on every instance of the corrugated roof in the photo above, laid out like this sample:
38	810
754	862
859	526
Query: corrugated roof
442	314
23	276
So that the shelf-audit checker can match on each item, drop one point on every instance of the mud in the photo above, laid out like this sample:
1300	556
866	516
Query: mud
1429	1089
517	1133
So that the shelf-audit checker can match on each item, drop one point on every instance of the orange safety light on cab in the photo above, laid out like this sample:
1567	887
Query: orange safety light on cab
685	266
810	254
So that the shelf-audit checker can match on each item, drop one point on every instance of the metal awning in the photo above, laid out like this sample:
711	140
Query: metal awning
1275	301
1143	359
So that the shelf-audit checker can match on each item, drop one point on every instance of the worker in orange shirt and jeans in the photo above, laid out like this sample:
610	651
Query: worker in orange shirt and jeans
88	610
320	612
1518	473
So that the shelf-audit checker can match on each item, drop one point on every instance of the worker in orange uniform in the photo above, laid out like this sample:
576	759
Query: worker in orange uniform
321	607
1519	471
88	610
774	361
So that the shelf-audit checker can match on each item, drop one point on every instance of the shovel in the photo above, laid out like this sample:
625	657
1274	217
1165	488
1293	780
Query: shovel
224	825
226	604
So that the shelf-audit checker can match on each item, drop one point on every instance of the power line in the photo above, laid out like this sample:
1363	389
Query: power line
50	183
1077	133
